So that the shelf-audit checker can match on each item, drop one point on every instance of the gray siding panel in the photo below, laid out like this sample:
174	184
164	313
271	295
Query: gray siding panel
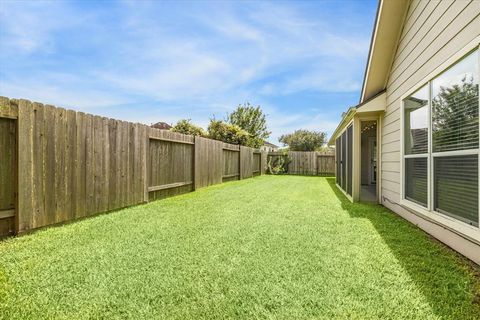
433	31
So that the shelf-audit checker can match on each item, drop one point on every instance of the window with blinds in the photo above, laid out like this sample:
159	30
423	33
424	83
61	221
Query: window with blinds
416	146
456	187
416	122
455	107
441	132
416	183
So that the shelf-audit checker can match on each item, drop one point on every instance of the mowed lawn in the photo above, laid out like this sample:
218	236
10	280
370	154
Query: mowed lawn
272	247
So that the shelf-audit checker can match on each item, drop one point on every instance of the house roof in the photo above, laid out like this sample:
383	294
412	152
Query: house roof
375	104
386	33
266	143
161	125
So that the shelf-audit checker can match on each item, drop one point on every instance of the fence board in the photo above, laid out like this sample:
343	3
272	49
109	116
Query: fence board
80	166
25	161
90	165
70	172
38	154
50	165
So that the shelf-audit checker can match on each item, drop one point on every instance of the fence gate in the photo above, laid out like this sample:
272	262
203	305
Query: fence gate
8	169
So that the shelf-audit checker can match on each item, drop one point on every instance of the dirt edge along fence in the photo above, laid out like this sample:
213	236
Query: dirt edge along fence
311	163
58	165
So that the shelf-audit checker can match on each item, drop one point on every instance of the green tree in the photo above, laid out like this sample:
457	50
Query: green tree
455	113
304	140
227	132
186	127
253	120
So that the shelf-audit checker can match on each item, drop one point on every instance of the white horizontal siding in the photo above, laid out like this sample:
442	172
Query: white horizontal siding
433	31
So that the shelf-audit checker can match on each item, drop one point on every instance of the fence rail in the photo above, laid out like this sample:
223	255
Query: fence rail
58	165
306	163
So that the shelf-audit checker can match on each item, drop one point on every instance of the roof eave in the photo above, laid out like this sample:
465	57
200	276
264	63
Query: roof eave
387	30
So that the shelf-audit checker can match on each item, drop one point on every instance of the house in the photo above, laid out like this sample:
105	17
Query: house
412	143
268	147
161	126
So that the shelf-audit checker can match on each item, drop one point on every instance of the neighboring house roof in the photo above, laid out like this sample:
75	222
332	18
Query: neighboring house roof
161	125
266	143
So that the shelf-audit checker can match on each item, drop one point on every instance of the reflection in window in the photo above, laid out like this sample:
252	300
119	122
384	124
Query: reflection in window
455	106
416	184
416	122
456	187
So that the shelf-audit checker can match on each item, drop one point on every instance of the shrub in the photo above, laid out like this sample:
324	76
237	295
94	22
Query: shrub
278	164
186	127
226	132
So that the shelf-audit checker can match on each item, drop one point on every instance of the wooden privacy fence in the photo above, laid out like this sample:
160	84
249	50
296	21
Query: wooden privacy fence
58	165
307	163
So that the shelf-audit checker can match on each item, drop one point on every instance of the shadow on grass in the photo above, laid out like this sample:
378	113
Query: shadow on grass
449	281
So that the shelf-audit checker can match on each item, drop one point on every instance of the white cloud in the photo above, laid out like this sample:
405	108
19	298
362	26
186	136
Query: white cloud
191	62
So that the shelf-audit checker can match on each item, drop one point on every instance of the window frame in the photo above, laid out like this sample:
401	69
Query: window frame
450	222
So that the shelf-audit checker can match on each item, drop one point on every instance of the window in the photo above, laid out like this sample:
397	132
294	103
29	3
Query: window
416	117
441	142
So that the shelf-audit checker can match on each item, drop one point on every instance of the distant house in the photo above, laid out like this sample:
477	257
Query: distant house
412	143
161	126
269	147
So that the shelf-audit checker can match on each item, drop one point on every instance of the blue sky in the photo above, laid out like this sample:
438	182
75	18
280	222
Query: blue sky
143	61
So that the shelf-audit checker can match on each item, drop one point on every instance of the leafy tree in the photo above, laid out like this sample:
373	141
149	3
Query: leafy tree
253	120
227	132
186	127
304	140
455	113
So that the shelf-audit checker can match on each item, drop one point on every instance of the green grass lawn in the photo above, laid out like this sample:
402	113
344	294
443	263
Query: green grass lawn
272	247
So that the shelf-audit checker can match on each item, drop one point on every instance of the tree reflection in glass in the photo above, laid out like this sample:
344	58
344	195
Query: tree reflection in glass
455	107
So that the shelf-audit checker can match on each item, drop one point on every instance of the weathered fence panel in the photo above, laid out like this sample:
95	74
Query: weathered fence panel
170	164
208	162
326	165
263	162
8	164
231	161
71	164
256	163
74	165
246	162
307	162
303	163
